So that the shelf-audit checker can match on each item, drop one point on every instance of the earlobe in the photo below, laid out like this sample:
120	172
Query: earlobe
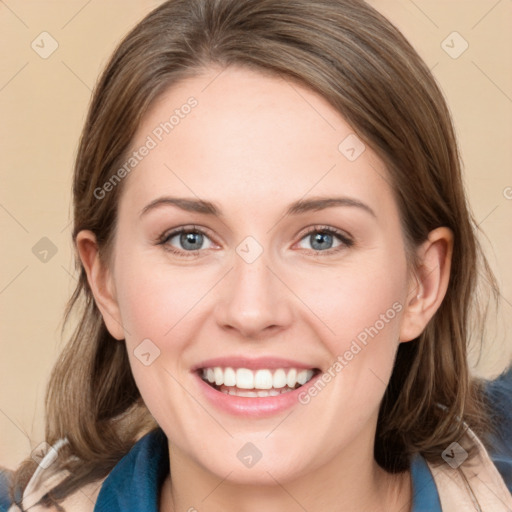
100	282
429	284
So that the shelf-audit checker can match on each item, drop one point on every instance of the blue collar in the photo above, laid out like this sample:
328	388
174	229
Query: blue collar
425	496
134	483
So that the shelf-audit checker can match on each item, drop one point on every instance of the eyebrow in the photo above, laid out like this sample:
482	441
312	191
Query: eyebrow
296	208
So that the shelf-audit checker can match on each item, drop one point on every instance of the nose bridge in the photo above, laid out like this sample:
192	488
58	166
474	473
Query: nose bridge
253	299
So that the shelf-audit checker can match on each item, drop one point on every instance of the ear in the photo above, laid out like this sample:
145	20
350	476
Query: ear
428	285
100	282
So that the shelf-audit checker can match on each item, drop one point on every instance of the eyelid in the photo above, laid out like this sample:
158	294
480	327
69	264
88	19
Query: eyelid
180	229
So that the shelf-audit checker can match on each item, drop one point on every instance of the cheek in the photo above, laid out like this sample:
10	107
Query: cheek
157	308
154	299
362	303
359	310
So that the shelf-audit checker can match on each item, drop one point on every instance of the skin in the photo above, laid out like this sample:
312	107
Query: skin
253	145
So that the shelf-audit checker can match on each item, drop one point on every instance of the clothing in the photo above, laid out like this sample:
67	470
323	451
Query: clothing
4	490
148	464
134	483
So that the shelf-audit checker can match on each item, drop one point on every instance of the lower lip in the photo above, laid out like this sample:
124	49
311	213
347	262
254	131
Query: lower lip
256	407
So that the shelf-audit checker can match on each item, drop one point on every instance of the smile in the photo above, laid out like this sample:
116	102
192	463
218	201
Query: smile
264	382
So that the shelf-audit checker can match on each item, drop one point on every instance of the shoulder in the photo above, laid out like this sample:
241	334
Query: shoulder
499	444
5	480
43	481
82	500
140	464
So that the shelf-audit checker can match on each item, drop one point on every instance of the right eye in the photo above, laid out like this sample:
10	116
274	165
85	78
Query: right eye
189	240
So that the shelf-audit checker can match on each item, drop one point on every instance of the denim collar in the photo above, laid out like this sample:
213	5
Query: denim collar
134	483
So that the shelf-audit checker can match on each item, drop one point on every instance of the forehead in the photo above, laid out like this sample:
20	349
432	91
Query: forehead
239	135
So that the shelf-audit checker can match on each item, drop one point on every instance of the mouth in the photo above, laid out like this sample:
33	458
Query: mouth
257	383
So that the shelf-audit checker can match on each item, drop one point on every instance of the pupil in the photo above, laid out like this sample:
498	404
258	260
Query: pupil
319	238
190	238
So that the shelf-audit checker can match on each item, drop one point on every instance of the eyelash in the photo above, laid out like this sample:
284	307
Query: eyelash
346	241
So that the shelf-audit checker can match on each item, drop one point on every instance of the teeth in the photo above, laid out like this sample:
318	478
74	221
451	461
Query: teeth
303	376
244	378
263	380
291	378
270	392
219	376
279	379
229	377
259	393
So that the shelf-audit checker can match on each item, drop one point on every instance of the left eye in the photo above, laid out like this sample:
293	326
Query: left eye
323	239
189	240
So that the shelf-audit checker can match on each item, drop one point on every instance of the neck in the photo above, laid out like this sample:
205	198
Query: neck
345	483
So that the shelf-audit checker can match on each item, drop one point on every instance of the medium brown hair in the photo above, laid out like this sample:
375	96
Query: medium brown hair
352	56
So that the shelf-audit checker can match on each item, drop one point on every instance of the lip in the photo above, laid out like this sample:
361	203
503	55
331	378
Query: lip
257	363
253	407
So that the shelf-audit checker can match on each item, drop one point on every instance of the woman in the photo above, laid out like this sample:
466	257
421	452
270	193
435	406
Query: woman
277	277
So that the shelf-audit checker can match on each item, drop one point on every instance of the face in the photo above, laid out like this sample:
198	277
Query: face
266	277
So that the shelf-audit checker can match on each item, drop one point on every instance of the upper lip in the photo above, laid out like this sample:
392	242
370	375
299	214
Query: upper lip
255	363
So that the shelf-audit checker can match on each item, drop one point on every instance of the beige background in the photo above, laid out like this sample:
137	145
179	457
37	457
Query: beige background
42	107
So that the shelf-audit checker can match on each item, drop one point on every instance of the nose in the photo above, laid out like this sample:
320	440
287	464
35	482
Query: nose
253	300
